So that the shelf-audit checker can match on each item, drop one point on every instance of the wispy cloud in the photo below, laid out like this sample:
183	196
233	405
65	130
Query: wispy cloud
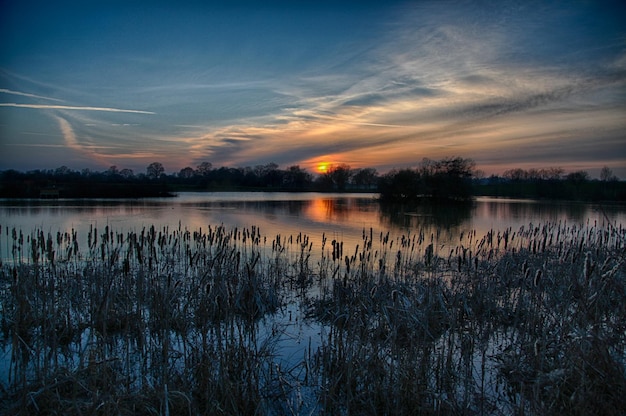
68	134
36	145
25	94
69	107
509	82
72	142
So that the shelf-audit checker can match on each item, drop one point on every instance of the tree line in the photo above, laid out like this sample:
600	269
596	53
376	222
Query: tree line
554	183
452	178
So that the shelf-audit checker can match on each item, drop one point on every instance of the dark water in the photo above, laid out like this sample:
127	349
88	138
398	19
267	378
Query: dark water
337	216
342	217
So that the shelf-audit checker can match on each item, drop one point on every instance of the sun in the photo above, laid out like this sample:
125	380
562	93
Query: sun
323	167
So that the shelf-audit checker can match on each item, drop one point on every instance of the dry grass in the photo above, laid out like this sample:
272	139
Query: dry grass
526	322
531	321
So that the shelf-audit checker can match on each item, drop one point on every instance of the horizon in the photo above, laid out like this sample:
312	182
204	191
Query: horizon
530	86
316	171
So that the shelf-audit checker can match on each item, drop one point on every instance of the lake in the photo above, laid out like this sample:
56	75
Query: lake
199	307
340	216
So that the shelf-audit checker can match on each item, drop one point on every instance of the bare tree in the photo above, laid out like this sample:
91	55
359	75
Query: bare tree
365	178
204	168
186	173
155	170
127	173
606	175
340	176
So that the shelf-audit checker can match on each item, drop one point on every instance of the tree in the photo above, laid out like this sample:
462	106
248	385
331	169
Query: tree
450	178
578	177
296	178
400	185
551	174
204	169
63	170
269	174
186	173
155	170
515	174
339	176
606	175
365	178
127	173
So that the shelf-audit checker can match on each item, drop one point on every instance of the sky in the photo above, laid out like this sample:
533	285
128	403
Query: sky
509	84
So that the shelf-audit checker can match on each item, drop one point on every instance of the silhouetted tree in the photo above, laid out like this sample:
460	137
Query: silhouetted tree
400	185
606	175
63	170
155	170
448	178
365	178
296	178
269	175
339	176
204	169
578	177
515	174
551	174
127	173
186	173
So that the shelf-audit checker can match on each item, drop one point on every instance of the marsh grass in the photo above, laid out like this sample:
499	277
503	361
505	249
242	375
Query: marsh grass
528	321
157	321
525	322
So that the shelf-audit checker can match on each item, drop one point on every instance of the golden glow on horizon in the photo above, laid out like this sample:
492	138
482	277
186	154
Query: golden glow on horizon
323	167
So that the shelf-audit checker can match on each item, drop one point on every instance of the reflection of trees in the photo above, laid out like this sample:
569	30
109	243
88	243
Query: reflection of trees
291	208
446	216
541	211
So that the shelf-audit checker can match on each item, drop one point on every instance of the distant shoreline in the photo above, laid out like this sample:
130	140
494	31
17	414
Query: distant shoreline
123	191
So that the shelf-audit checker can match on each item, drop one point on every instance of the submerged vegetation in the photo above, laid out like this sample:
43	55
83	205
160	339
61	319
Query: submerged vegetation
160	321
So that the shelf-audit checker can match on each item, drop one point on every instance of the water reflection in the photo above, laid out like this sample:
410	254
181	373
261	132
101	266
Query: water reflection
339	216
447	216
517	209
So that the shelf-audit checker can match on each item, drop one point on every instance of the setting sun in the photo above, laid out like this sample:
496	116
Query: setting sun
323	167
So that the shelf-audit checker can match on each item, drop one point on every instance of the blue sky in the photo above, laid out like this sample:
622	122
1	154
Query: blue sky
381	84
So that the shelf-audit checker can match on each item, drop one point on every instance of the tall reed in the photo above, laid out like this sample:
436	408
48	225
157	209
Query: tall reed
178	321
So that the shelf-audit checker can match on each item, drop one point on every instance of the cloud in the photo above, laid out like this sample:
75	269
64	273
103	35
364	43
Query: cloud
68	107
25	94
68	134
72	142
431	81
36	145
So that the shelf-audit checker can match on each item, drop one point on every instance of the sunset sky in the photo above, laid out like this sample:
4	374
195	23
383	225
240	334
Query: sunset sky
91	84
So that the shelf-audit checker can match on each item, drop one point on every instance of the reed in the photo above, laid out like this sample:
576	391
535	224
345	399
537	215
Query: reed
162	321
527	322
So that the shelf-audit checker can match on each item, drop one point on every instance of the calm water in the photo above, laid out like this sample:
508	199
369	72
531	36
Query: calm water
338	216
343	217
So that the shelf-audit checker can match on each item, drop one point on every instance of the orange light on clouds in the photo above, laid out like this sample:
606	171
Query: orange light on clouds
323	163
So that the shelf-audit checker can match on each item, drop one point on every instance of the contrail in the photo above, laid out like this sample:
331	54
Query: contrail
68	134
69	107
72	142
25	94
